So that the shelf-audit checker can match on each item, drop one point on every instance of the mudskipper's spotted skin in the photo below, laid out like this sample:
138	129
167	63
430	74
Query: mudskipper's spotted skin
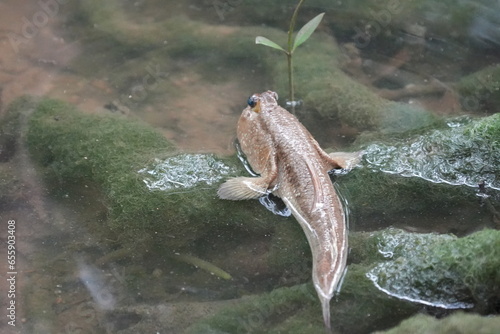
293	166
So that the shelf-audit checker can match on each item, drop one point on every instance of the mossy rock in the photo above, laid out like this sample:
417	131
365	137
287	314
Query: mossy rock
438	170
149	190
457	323
359	307
401	196
480	91
437	265
440	270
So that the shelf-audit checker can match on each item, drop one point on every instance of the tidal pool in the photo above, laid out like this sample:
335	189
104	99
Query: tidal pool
110	166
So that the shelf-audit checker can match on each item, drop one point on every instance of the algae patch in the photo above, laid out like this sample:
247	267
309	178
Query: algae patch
167	206
464	154
458	323
439	270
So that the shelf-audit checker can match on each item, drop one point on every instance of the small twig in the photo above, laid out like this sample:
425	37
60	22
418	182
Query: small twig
289	55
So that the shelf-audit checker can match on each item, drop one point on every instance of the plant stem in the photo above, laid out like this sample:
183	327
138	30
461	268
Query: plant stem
289	55
290	80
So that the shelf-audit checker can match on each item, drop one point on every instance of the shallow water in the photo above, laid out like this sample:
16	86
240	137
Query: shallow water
68	279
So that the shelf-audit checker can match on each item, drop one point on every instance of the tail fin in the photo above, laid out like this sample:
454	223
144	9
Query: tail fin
325	305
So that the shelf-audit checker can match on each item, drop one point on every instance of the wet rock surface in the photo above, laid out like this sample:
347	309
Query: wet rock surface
440	270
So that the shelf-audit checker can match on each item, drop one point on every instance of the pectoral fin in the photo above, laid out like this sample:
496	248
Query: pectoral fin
346	160
240	188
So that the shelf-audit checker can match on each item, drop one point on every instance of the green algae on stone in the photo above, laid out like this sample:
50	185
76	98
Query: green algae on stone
457	323
480	91
290	251
458	155
359	307
115	154
435	170
259	314
440	270
401	196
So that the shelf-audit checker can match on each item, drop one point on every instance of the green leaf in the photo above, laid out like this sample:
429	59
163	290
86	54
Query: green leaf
306	31
268	42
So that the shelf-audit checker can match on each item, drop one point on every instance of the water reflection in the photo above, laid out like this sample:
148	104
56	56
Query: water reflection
484	30
95	282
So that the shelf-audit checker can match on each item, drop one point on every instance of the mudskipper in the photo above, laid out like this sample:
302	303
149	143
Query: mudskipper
293	167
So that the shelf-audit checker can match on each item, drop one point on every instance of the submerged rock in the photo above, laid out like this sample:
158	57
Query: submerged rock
320	81
440	270
458	323
150	191
452	170
465	153
480	91
358	309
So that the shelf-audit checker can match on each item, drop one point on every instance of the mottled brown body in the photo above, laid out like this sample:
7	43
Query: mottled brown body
292	166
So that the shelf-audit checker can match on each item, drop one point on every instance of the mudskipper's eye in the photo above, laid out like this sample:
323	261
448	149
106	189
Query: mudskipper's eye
252	101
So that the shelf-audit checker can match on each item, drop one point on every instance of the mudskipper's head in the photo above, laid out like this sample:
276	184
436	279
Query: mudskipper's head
253	133
261	104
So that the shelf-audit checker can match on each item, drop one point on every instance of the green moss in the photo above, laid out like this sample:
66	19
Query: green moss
431	172
127	161
486	132
480	91
438	265
457	323
259	314
359	308
441	270
402	195
290	251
